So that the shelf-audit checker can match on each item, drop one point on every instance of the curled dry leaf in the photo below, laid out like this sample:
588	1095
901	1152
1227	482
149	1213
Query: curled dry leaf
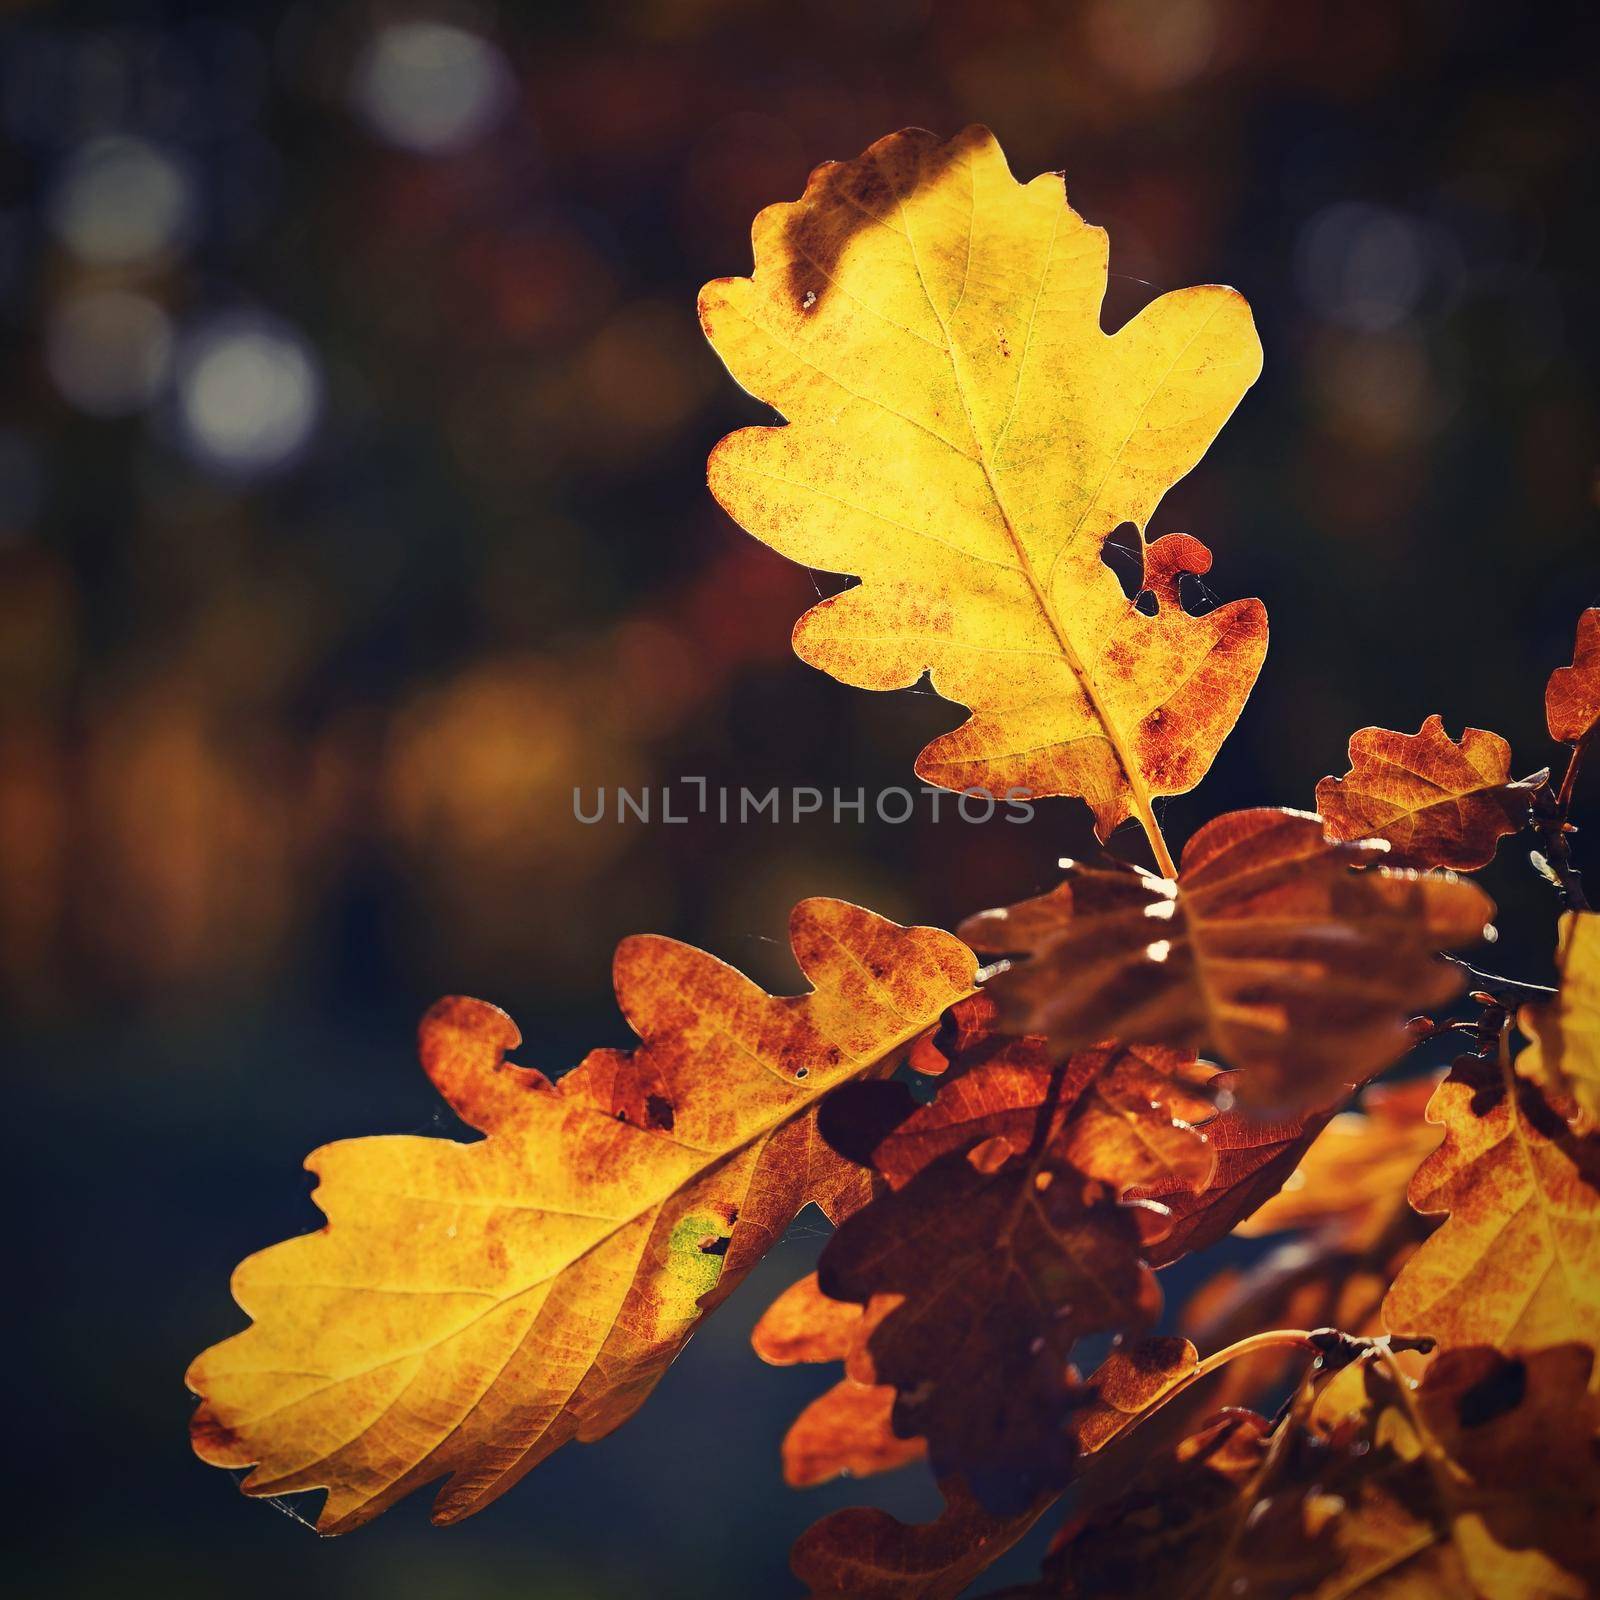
1436	803
1516	1263
1271	949
467	1308
846	1429
866	1554
1565	1053
963	437
1572	697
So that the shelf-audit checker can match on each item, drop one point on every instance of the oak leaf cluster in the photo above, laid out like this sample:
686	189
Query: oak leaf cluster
1396	1394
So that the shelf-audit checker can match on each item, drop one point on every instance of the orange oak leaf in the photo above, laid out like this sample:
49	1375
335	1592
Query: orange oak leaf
1565	1052
1001	1269
964	437
1572	697
1351	1184
1254	1158
1268	949
1516	1263
846	1429
1353	1231
866	1554
1435	802
1131	1118
468	1308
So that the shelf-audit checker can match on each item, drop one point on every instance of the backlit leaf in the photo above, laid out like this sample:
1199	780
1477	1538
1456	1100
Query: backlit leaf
1516	1263
963	436
1128	1117
846	1429
1352	1182
467	1308
1435	802
1269	950
1565	1053
1572	697
1255	1157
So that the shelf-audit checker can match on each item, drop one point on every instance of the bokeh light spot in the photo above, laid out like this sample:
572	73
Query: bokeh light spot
108	351
250	391
1362	266
430	86
120	201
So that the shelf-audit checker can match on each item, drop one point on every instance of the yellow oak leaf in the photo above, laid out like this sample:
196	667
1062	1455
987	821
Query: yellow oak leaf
468	1308
1565	1053
1436	803
964	436
1516	1264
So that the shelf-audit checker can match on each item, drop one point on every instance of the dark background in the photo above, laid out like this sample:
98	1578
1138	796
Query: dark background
352	511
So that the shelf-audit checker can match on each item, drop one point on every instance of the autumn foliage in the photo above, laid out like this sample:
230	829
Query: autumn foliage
1148	1060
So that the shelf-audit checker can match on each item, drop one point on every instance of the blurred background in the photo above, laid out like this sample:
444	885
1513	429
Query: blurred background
352	512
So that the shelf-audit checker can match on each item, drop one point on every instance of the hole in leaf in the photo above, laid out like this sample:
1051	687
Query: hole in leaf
1123	552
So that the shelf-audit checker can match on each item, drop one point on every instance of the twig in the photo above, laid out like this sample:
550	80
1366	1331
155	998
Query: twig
1548	815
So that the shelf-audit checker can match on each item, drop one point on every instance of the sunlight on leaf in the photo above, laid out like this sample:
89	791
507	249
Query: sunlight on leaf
963	436
1565	1052
468	1308
1435	802
1516	1262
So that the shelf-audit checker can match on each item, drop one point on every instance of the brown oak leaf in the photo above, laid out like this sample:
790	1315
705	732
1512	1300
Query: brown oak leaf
1001	1270
1289	956
865	1554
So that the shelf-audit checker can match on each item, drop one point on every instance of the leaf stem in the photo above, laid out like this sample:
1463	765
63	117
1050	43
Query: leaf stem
1146	813
1292	1338
1550	809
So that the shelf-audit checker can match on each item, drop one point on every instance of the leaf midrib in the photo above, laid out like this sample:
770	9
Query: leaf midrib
1128	766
